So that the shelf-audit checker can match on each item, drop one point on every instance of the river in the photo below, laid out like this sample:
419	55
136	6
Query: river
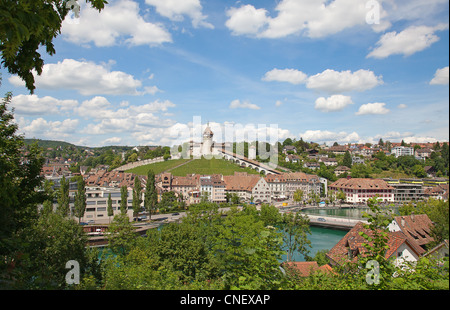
321	239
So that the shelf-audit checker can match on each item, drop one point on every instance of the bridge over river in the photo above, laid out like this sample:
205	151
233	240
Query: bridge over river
333	222
325	220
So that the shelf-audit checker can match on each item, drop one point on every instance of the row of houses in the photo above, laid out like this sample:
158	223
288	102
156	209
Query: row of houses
359	190
248	187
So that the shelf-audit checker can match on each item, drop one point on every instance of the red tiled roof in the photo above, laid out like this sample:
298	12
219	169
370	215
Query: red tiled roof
361	183
350	247
305	269
417	229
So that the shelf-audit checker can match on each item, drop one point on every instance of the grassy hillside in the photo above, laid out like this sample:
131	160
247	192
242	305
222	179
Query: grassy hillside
157	167
197	166
210	166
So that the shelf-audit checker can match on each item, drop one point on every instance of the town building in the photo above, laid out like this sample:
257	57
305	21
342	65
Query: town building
213	187
403	192
97	203
248	187
423	153
416	228
402	151
359	190
341	170
328	161
277	185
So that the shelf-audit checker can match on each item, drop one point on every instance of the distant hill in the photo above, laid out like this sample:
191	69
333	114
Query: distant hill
45	144
49	143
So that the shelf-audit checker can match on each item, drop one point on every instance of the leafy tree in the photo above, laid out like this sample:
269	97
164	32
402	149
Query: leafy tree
121	235
298	195
63	197
19	177
377	242
27	25
110	207
151	195
123	199
137	194
52	241
80	199
295	229
347	159
269	215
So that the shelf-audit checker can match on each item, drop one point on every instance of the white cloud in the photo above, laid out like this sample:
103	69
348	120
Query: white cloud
330	81
373	108
278	103
285	75
133	118
50	129
119	22
112	141
333	103
176	9
86	77
337	82
33	105
246	20
315	19
325	136
440	77
407	42
237	104
402	106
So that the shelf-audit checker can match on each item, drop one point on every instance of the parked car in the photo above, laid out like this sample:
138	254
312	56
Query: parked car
321	219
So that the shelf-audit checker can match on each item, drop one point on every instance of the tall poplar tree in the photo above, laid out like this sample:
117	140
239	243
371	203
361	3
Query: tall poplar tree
137	194
80	199
151	196
123	199
63	197
110	208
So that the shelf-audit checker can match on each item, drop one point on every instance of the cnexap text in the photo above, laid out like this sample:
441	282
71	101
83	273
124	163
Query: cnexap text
246	299
235	299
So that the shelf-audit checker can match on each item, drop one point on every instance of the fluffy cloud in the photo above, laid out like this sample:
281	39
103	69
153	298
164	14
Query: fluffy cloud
246	20
314	19
325	136
333	103
373	108
344	81
285	75
33	105
407	42
50	129
119	22
133	118
237	104
112	141
176	9
86	77
440	77
330	81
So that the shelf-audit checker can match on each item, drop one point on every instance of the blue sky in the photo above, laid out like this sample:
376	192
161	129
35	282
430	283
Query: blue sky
143	72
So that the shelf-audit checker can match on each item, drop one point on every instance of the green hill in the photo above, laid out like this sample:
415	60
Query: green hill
197	166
